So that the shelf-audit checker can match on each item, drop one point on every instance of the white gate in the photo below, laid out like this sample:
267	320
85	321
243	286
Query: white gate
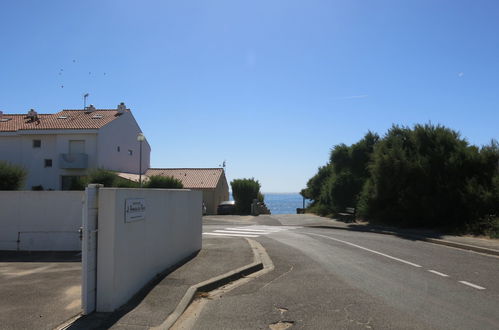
89	248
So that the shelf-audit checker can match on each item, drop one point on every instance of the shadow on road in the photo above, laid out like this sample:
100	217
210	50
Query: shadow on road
40	256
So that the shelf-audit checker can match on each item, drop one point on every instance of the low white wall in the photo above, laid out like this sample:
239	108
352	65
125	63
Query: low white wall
130	254
40	220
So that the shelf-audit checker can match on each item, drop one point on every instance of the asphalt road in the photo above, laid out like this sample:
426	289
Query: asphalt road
39	290
337	279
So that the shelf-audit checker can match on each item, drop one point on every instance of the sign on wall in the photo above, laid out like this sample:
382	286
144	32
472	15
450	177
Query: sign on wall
135	209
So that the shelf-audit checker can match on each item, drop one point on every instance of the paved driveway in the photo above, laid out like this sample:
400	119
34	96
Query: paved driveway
38	290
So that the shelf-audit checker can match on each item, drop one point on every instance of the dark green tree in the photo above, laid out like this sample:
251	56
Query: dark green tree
429	176
12	177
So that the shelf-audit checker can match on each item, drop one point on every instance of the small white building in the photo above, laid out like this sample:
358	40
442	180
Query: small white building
55	148
210	181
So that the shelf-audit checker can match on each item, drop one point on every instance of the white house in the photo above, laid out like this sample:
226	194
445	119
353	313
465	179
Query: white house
55	148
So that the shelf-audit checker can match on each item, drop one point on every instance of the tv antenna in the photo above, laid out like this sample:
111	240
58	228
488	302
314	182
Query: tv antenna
85	100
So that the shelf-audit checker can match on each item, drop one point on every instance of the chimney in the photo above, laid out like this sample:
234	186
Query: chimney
121	108
32	113
90	108
1	114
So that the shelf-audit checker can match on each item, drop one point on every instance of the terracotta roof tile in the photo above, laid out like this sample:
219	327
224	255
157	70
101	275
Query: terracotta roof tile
191	178
65	119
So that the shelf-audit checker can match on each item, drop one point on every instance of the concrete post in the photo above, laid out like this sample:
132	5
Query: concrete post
89	248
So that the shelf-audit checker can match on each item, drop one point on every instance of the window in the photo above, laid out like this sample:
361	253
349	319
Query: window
37	143
76	147
48	162
118	148
130	152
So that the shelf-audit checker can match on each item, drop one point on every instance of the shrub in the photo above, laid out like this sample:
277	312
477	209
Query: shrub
244	192
165	182
424	176
341	191
78	183
314	185
104	177
339	184
428	176
12	177
125	183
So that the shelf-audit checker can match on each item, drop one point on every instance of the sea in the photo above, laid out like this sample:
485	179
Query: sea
283	203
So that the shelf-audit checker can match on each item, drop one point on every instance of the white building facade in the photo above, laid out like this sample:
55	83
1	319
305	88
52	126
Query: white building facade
55	148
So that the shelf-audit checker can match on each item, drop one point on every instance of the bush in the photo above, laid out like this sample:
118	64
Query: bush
165	182
244	192
12	177
125	183
314	185
341	191
424	176
78	183
101	176
339	184
429	177
37	188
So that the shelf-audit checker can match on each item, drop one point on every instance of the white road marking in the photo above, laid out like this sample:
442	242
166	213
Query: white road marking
438	273
369	250
472	285
238	235
240	232
251	229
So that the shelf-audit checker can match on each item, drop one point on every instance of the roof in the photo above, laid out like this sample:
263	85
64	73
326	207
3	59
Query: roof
191	178
65	119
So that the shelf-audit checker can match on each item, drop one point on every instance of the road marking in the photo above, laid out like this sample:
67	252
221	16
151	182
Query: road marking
238	235
472	285
369	250
438	273
249	231
240	232
255	230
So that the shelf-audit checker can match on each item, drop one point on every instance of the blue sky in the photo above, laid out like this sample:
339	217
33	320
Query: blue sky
268	86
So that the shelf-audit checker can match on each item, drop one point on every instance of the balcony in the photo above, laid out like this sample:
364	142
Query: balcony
73	161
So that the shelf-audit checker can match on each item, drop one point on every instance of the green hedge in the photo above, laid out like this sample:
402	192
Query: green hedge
166	182
244	192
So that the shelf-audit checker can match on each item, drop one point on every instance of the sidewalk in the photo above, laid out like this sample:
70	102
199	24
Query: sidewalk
152	306
482	245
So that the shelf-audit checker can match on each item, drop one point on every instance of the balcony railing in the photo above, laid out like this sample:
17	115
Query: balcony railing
73	161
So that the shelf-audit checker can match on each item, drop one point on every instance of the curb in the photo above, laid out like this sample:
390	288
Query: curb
209	285
457	245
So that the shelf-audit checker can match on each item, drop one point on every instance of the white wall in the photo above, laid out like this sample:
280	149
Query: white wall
10	144
131	254
46	220
122	133
18	150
